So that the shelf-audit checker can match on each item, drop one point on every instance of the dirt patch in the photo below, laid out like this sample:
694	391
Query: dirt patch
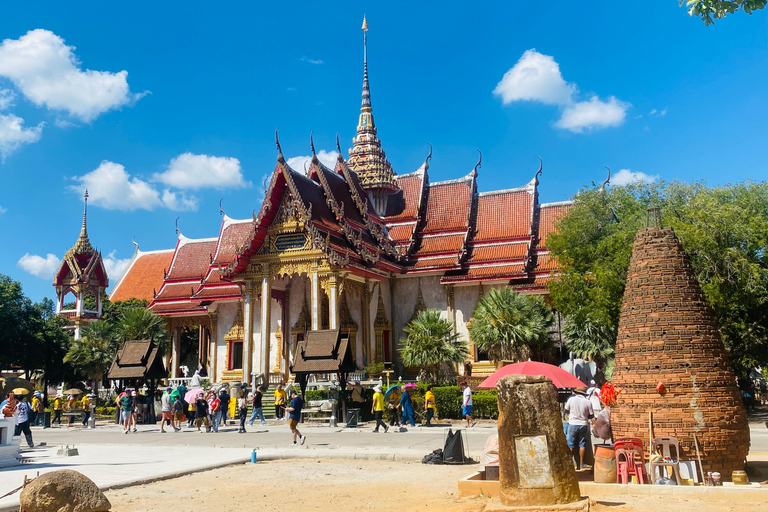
305	485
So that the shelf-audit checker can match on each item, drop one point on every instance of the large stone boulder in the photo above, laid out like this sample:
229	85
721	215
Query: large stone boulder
63	491
535	464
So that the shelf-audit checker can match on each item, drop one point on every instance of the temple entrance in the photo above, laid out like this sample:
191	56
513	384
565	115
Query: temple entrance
189	350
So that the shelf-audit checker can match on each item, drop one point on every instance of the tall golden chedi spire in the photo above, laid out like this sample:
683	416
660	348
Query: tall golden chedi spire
366	157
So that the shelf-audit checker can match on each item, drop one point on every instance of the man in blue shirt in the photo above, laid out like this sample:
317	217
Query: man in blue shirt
295	416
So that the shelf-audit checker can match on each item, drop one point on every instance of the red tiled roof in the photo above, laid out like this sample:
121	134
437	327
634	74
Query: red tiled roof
405	205
486	272
548	217
223	290
143	277
177	290
438	244
545	262
498	252
177	307
445	261
402	232
192	258
234	233
504	215
448	206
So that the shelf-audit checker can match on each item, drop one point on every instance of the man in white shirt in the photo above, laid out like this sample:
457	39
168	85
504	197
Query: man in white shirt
593	394
579	411
466	404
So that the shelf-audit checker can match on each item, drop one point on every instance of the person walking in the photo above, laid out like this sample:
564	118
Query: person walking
201	412
258	395
71	406
23	410
165	407
466	405
86	405
41	405
58	405
191	413
280	402
126	410
407	407
242	405
394	408
215	407
178	413
358	397
429	405
34	409
294	416
377	409
224	398
579	411
135	410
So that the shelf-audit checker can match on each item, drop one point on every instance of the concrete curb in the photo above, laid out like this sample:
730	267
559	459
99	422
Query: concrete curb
266	454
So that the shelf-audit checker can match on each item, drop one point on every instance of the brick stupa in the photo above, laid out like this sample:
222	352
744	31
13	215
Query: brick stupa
668	334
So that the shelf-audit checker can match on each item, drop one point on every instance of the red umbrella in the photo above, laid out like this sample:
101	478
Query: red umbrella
559	377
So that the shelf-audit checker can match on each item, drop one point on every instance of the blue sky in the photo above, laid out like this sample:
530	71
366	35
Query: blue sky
164	108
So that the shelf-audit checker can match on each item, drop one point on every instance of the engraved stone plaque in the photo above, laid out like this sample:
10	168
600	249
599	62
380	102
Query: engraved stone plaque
533	465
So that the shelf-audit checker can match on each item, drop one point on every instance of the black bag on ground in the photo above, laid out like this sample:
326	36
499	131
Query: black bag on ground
436	457
453	451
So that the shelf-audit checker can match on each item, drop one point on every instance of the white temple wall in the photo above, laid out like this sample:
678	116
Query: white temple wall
355	311
226	319
465	299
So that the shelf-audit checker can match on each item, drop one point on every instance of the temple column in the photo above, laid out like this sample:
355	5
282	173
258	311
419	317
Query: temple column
175	346
266	309
365	313
286	329
333	301
451	305
214	342
201	349
315	299
247	329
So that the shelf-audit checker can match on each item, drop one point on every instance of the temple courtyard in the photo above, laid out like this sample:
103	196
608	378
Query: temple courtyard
353	469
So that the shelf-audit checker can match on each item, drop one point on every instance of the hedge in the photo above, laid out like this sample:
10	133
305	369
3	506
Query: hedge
448	400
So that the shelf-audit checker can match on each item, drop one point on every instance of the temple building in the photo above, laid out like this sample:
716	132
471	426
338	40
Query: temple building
355	247
81	276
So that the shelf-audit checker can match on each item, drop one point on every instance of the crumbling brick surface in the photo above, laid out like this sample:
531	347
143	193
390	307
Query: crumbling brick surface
668	334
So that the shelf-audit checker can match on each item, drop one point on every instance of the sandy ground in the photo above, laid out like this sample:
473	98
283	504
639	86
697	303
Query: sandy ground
306	485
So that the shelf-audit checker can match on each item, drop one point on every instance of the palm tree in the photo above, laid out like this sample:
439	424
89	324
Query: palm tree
590	338
142	324
93	353
432	346
510	326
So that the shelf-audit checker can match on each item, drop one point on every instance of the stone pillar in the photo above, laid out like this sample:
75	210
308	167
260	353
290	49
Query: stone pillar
314	298
214	348
175	342
247	330
333	301
266	325
535	464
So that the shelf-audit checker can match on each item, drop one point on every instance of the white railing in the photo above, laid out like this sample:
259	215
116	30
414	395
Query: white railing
179	381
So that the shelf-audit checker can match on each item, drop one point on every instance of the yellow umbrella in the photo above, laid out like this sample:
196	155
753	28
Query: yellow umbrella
73	391
20	391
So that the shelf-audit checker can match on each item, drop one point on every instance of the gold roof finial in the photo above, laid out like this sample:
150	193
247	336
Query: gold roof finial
365	24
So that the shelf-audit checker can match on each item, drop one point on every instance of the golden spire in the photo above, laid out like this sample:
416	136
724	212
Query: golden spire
83	245
366	157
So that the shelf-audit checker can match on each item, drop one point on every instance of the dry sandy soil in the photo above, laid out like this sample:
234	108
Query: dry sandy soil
346	485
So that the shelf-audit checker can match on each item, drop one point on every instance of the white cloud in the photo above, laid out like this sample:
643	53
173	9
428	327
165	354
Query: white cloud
13	134
115	266
39	266
594	113
188	171
653	111
63	123
626	177
327	158
535	77
3	210
48	73
6	99
111	187
179	201
311	61
663	112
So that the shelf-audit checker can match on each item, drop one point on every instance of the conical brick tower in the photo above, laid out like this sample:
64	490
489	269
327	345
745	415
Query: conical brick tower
668	334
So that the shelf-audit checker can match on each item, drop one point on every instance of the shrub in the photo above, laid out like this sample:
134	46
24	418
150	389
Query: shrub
105	412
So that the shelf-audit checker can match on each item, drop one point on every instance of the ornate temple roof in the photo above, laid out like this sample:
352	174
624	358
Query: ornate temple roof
143	276
366	157
82	263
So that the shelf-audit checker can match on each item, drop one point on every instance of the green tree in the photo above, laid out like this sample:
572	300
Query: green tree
93	353
431	345
589	339
711	10
511	326
723	229
139	323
